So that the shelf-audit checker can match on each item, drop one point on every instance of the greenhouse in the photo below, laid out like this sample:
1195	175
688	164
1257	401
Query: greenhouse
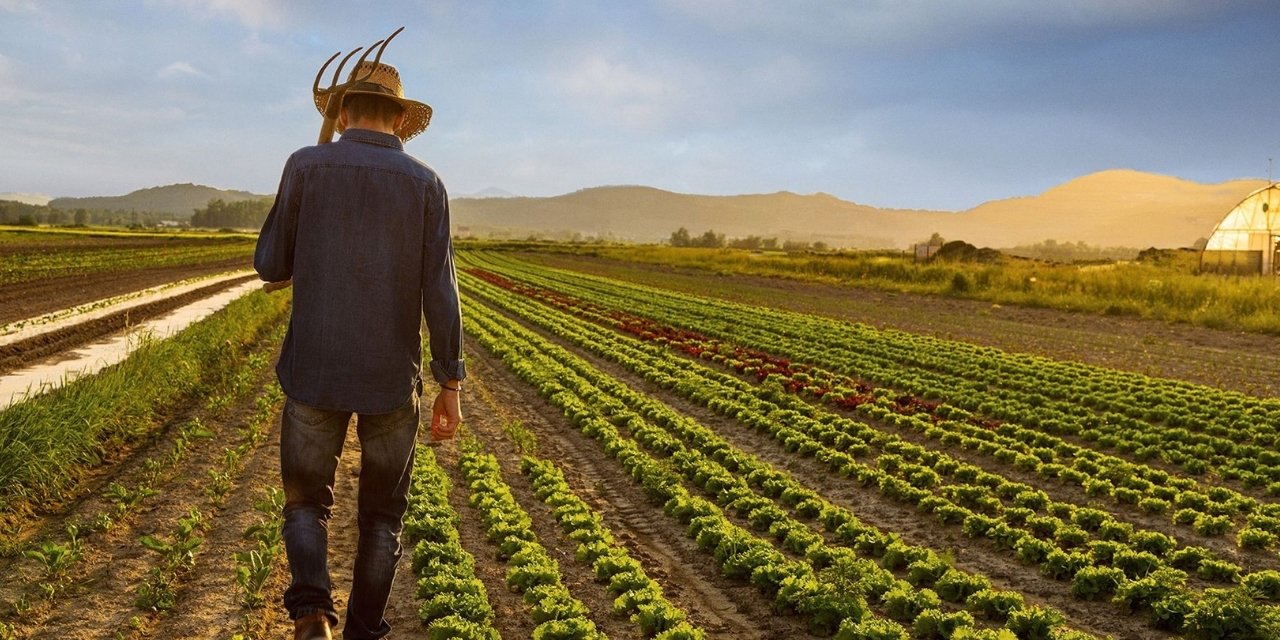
1244	242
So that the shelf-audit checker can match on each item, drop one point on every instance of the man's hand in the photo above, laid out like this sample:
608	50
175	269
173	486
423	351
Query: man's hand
446	412
276	286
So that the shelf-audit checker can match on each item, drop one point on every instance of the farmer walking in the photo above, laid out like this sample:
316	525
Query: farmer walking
360	230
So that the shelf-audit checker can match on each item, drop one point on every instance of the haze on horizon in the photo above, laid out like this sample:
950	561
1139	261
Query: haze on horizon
938	105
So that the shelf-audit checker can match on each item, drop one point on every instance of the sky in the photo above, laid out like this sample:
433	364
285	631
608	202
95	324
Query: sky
939	104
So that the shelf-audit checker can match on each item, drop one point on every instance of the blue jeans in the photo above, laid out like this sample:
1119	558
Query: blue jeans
310	445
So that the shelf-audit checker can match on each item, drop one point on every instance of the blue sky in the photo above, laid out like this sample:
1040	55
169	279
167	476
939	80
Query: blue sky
907	103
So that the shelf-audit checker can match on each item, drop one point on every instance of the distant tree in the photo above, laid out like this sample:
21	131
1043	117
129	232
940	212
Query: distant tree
710	239
749	242
81	217
241	214
820	246
795	245
680	237
768	243
936	240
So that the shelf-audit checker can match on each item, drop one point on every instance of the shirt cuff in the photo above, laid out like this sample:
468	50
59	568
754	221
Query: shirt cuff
446	370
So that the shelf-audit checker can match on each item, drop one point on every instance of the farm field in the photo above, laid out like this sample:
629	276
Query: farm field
46	270
706	459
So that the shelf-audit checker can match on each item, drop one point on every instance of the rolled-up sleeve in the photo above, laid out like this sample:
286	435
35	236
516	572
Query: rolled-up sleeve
440	303
273	257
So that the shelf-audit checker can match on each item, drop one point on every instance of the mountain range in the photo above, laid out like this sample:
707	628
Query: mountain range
1110	208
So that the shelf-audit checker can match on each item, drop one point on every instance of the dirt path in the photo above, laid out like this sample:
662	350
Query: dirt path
873	508
30	299
1246	362
724	608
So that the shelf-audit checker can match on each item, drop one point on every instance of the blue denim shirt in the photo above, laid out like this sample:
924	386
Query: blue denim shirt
363	229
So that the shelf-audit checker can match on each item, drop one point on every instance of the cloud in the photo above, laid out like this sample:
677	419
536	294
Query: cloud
868	24
254	14
618	93
181	69
18	6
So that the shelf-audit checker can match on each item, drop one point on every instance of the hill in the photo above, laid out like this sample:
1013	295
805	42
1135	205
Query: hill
1109	208
647	214
179	200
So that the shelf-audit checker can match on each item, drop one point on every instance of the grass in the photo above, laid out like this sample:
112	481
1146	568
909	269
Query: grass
47	442
1171	290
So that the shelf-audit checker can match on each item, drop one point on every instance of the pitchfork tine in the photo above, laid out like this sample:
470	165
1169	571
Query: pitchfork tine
337	72
315	86
376	59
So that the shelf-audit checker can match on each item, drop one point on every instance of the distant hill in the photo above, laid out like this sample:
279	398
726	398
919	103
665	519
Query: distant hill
491	192
648	214
38	199
180	200
1109	208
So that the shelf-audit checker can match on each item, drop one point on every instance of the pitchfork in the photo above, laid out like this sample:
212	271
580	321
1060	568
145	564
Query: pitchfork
334	92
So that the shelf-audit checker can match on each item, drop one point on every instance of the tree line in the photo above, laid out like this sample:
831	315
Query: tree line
218	214
241	214
710	239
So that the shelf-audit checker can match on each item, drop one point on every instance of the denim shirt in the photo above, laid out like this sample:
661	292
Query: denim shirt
363	229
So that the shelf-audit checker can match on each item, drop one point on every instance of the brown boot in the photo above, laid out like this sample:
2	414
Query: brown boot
313	626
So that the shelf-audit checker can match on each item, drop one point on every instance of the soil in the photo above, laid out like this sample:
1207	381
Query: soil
22	300
16	355
1246	362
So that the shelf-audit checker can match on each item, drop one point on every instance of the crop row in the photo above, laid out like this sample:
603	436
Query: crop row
531	571
1197	428
39	265
1207	510
637	595
1120	545
454	601
1152	490
805	586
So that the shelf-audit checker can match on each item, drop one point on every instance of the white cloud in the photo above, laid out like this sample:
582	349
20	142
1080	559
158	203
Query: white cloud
181	69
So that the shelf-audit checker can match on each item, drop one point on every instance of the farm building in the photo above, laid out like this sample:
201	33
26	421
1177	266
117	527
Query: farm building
1244	242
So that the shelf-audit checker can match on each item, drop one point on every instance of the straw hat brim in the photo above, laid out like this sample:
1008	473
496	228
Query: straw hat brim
417	115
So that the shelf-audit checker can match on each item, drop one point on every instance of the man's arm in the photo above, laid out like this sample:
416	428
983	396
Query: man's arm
273	257
444	316
440	292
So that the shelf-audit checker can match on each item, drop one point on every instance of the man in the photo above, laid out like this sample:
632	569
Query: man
361	230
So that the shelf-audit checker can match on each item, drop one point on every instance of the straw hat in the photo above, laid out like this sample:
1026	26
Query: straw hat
385	82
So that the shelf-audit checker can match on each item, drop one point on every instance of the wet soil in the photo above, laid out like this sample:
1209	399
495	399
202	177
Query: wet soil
14	356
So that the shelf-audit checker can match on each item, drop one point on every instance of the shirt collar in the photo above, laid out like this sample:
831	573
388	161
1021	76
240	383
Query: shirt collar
373	137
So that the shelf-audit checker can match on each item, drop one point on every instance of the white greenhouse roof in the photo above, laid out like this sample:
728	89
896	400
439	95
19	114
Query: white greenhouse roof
1251	224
